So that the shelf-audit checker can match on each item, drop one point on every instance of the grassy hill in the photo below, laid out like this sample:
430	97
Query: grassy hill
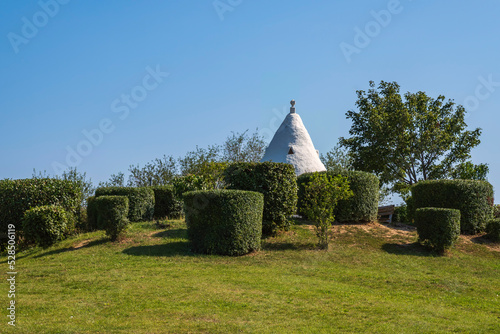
373	279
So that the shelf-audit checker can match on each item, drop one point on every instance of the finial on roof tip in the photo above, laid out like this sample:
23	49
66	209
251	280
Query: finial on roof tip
292	108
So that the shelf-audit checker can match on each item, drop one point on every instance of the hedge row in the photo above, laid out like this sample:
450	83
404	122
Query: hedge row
473	198
276	181
225	222
493	229
47	224
141	200
18	196
437	227
361	207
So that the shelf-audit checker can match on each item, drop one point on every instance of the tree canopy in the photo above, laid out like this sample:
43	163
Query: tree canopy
404	139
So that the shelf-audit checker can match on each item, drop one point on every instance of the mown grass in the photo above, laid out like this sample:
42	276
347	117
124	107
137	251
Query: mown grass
373	279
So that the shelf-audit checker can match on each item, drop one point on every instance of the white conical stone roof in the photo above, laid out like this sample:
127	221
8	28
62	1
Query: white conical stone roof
292	144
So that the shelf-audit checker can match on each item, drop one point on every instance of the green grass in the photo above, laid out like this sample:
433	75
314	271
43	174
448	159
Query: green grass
370	281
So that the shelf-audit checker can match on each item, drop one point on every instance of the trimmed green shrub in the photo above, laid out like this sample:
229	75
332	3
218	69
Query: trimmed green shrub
45	225
92	215
473	198
400	214
493	229
437	227
225	222
276	181
361	207
141	200
112	212
17	196
166	203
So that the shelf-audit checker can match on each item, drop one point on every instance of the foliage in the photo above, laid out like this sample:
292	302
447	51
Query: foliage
167	204
241	147
361	207
473	198
141	200
321	195
496	211
493	229
92	215
212	174
469	171
406	141
438	228
194	162
337	160
276	181
115	180
225	222
73	175
17	196
45	225
157	172
112	212
401	214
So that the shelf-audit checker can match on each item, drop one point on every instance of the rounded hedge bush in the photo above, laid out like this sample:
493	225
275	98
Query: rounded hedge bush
276	181
166	203
473	198
45	225
112	212
361	207
17	196
224	222
493	229
438	228
141	200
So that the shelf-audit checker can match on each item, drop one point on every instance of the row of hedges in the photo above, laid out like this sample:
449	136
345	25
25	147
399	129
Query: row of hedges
473	198
141	200
225	222
361	207
18	196
167	203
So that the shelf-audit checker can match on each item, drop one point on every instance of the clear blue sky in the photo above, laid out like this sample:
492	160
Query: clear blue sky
232	65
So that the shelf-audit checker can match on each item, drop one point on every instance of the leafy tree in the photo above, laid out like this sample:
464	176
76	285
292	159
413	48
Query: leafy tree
195	161
407	140
157	172
337	160
71	174
321	195
469	171
115	180
241	147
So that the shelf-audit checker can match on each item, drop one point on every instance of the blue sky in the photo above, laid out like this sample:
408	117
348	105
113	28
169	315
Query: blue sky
148	78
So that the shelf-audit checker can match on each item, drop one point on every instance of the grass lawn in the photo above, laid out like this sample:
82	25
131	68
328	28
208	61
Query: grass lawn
373	279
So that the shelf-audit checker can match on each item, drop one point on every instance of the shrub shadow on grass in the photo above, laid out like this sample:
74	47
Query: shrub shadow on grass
168	249
415	249
70	249
281	246
179	233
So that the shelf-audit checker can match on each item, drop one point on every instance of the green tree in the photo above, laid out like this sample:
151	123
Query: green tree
241	147
407	140
194	162
157	172
337	160
115	180
321	195
469	171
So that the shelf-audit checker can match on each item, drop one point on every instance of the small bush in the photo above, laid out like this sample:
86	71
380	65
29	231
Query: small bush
225	222
18	196
141	200
400	214
276	181
493	229
112	212
45	225
361	207
437	227
321	195
474	199
166	203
